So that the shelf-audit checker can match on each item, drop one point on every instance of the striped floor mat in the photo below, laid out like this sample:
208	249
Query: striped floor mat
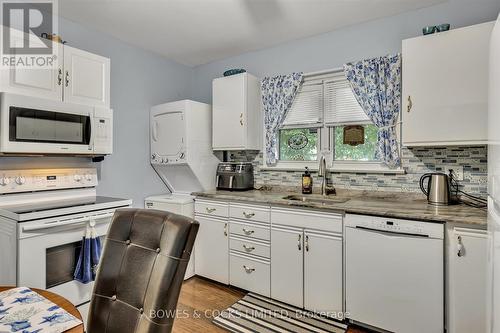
255	313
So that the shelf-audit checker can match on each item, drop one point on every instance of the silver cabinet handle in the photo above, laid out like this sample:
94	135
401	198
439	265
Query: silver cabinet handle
410	104
299	243
248	232
248	269
67	78
231	179
248	248
248	215
210	210
460	247
307	243
225	229
59	76
241	119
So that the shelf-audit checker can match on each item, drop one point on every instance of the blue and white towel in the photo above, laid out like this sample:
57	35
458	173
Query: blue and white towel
88	260
25	311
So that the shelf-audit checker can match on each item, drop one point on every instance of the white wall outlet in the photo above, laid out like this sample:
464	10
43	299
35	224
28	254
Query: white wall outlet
458	171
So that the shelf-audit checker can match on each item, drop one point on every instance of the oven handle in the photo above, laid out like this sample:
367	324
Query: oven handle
66	222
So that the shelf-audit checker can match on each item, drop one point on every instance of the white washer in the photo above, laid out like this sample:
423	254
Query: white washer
182	204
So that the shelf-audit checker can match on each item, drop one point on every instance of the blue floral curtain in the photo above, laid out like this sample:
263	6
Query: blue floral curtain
277	96
376	83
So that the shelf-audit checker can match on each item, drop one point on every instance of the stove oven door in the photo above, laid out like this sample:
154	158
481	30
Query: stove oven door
49	250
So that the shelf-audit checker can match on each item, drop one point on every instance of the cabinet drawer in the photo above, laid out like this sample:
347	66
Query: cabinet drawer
250	247
250	212
250	230
310	219
250	274
215	208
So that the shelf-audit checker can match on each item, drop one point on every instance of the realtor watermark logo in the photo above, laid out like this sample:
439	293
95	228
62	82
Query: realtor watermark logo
25	26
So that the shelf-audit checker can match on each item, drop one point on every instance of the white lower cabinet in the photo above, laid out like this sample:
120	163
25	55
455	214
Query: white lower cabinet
323	276
467	267
212	248
287	265
251	274
307	264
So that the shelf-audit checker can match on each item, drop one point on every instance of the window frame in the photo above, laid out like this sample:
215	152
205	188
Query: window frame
326	143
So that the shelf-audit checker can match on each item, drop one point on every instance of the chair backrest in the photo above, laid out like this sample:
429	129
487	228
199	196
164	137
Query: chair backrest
141	272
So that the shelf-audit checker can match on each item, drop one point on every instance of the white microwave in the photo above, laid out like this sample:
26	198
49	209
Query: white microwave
31	125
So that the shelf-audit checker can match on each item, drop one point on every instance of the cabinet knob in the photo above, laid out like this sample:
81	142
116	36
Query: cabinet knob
59	76
460	247
248	232
248	248
248	269
410	104
210	210
248	215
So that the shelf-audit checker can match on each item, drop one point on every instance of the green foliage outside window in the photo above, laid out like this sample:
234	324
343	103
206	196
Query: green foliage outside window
364	152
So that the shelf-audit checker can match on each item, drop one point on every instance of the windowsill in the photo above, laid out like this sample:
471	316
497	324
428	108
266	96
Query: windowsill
338	167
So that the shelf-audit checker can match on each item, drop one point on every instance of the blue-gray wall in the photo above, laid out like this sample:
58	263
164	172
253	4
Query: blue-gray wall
139	79
333	49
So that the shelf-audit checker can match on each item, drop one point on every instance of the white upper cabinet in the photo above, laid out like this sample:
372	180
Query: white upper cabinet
86	77
236	112
445	87
78	77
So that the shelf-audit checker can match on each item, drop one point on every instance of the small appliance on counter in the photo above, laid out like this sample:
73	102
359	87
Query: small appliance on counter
438	189
235	176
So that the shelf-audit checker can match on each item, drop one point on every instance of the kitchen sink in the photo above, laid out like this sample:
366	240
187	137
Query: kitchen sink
315	199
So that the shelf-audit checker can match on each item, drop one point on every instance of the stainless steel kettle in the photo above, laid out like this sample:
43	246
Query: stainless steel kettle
438	190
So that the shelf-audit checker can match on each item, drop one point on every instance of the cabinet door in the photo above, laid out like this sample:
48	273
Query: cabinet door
323	272
212	249
229	112
287	265
44	83
467	281
86	78
445	87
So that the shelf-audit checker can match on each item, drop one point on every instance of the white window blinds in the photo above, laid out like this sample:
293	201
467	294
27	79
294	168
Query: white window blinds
341	107
307	107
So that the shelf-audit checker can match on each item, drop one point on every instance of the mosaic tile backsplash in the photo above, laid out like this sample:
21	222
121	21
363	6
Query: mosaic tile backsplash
416	162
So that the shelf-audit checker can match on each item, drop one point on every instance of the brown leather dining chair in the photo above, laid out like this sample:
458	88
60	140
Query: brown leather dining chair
141	271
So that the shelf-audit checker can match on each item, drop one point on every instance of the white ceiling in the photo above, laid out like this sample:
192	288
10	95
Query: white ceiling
195	32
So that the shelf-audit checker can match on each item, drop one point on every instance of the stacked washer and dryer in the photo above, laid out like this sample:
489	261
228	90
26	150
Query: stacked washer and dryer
182	155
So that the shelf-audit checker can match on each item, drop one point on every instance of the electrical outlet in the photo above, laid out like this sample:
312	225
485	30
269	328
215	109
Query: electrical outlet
458	171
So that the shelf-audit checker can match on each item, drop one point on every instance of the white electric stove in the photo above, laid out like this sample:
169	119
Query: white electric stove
43	218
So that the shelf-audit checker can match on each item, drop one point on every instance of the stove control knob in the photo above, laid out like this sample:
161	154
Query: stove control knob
88	177
4	181
20	180
77	178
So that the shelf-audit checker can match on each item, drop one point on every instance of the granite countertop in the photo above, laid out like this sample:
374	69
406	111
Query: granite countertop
387	204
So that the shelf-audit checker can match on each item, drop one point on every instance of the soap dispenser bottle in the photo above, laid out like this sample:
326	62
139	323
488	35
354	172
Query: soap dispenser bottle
307	182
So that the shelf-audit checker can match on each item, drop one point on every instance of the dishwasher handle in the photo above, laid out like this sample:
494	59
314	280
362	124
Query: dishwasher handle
392	233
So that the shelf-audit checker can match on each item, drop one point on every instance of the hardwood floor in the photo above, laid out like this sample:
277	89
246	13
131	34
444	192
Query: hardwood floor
201	300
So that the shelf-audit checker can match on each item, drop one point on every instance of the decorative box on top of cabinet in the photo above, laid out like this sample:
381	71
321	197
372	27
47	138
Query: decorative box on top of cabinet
77	77
236	113
445	87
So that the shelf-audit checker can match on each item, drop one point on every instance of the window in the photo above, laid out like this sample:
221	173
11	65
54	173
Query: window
326	118
299	144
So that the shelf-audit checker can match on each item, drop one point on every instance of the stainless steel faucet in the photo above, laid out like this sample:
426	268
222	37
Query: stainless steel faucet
322	173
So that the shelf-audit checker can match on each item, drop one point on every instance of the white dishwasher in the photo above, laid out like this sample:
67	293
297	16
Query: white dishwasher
395	274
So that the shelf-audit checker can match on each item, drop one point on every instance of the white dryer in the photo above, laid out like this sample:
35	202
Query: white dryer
182	155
